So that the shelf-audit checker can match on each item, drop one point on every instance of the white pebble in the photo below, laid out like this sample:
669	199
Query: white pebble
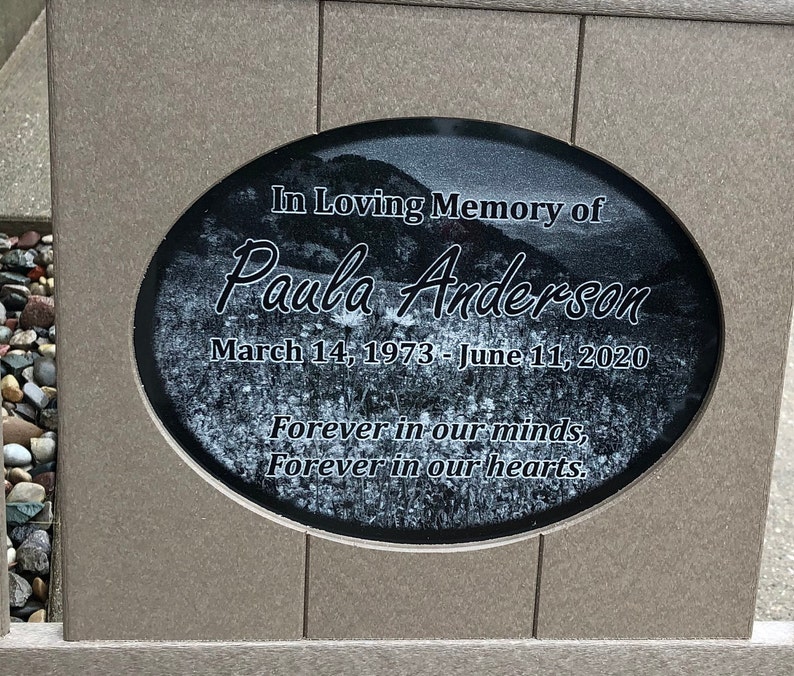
16	455
43	449
47	350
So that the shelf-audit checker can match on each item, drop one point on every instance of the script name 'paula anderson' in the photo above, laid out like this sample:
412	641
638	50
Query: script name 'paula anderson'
346	290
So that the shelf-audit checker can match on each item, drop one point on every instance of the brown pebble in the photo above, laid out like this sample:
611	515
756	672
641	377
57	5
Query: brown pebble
40	589
11	390
8	486
17	475
47	480
18	431
13	394
38	616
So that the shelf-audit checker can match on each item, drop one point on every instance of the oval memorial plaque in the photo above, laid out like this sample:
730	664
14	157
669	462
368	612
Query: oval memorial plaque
427	330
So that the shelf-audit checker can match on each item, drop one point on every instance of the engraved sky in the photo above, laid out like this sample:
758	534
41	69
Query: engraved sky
488	169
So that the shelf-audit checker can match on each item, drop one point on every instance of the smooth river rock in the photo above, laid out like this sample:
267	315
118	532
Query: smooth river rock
27	375
38	616
27	610
40	589
26	411
26	492
47	481
43	450
28	239
17	474
40	469
44	372
10	389
47	350
23	340
18	431
16	455
7	277
35	396
13	299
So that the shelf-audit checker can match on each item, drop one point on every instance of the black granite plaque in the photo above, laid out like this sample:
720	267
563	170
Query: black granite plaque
427	330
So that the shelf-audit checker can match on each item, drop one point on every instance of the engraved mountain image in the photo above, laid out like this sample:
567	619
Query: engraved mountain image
398	252
354	368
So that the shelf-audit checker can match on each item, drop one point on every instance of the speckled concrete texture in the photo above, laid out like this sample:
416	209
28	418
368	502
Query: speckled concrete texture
698	113
375	56
139	133
368	593
753	11
39	649
15	19
24	134
776	586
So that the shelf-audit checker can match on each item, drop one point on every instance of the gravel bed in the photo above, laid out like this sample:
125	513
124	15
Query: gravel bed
30	418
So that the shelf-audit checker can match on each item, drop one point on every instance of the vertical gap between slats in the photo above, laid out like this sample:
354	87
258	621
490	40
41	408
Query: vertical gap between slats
305	632
577	80
574	119
320	31
536	611
318	126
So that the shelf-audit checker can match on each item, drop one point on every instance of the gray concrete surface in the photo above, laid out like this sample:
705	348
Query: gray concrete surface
776	587
24	134
25	199
15	19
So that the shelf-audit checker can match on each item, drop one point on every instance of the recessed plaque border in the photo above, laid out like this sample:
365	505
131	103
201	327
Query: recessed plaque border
314	524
